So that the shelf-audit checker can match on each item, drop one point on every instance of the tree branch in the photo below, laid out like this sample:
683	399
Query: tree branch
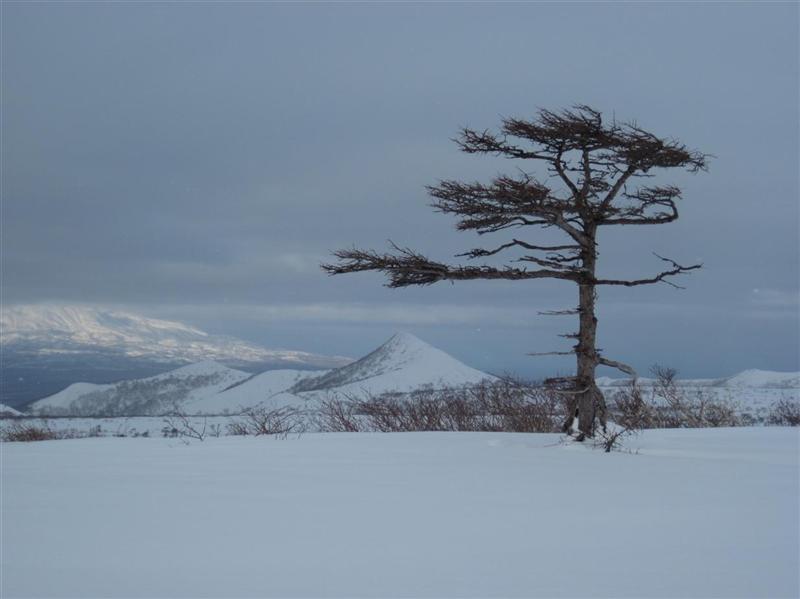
618	365
559	166
480	252
506	202
558	263
645	198
568	312
410	268
484	142
659	278
615	189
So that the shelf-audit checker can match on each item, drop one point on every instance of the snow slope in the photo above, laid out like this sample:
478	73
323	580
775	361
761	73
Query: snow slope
65	398
267	388
402	364
149	396
696	513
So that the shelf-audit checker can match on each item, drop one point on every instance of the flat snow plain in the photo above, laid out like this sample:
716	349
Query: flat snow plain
696	513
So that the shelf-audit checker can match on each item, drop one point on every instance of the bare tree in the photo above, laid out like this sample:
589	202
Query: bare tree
595	179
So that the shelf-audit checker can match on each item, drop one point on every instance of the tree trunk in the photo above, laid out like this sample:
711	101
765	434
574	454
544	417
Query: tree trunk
588	400
589	397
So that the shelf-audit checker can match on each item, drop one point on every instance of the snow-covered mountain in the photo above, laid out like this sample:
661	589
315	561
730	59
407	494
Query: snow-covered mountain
6	411
46	347
67	329
402	364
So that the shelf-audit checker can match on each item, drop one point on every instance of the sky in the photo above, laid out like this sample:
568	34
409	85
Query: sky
198	161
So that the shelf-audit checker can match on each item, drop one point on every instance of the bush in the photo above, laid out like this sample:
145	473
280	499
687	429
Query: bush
666	405
265	421
25	431
178	424
506	405
785	413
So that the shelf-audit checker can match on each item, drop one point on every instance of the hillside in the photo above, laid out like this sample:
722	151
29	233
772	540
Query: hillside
267	388
149	396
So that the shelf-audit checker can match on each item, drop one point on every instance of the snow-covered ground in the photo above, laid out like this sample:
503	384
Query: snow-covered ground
696	513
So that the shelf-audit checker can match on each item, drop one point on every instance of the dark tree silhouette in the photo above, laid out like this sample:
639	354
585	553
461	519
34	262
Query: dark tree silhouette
594	166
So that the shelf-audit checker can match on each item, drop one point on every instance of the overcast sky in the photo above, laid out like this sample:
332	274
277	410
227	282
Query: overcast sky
197	161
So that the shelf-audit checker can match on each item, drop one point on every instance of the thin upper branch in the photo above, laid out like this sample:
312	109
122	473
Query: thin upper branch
480	252
559	166
506	202
645	206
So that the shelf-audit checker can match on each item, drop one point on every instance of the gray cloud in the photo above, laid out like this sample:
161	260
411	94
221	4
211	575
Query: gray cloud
167	155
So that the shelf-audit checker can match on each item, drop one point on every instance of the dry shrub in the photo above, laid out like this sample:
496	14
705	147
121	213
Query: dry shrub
516	406
178	424
261	420
335	415
666	405
785	412
505	405
25	431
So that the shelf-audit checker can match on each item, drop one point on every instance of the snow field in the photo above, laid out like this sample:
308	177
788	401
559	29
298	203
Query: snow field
696	513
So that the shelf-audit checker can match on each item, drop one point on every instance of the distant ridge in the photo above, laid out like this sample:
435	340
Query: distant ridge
51	330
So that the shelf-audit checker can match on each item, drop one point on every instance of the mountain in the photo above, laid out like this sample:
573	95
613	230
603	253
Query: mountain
401	364
150	396
6	411
46	347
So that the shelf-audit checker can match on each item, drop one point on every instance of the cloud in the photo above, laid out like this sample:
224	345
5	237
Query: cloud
363	313
776	298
